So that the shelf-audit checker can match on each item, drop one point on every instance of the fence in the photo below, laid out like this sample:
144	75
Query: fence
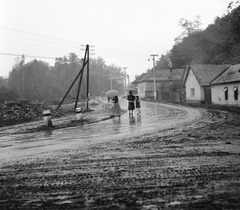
176	97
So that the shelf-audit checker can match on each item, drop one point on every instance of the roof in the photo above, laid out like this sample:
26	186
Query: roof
161	75
232	74
142	77
205	74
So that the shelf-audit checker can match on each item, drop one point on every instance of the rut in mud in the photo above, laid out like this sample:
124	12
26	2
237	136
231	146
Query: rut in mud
195	165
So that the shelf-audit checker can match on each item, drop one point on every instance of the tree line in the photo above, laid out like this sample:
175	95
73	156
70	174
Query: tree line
37	80
219	43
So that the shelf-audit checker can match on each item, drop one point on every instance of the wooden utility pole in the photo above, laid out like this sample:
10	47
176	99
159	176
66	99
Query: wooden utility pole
85	60
87	76
154	78
80	76
125	79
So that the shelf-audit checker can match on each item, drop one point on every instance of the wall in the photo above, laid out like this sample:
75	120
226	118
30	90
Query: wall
145	88
218	95
141	89
192	82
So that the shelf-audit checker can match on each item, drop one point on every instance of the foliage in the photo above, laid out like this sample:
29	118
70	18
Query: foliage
37	80
189	27
3	82
5	93
232	5
219	43
163	62
176	86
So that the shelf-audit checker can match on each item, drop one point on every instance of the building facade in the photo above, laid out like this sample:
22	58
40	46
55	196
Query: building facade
226	87
164	79
197	82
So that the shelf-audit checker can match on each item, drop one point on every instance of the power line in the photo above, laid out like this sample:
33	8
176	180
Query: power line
35	41
28	56
47	41
137	64
42	44
45	45
39	35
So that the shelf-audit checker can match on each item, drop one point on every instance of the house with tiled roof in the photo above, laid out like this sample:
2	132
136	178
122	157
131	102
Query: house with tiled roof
197	81
164	78
225	88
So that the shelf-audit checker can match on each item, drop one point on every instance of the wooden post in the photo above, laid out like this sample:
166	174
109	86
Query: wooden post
70	87
87	76
80	80
80	74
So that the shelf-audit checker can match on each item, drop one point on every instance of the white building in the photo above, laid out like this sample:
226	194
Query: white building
226	87
197	82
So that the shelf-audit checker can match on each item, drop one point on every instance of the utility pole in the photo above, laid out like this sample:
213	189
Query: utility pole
22	62
86	61
125	79
154	77
88	49
111	83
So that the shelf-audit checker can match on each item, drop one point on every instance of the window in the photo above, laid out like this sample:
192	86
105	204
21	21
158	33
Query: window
226	93
235	90
192	92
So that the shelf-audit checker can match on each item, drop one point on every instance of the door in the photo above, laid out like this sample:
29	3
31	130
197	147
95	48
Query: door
208	95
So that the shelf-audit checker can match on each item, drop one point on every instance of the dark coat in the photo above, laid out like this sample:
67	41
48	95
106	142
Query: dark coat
131	99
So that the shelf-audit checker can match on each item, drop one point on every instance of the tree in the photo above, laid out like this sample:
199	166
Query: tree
3	82
6	94
37	80
189	27
219	43
164	62
232	5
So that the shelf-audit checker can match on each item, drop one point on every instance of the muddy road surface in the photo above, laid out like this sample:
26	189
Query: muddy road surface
170	157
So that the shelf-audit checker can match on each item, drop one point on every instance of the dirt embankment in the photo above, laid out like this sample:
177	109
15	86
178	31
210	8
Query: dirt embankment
15	112
20	117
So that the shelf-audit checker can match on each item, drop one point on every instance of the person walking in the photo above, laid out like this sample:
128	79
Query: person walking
131	106
138	105
116	107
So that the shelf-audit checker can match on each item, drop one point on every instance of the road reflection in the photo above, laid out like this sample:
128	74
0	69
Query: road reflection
116	124
132	120
48	133
151	118
139	118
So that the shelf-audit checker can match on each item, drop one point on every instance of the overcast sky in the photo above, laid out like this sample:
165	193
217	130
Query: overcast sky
123	32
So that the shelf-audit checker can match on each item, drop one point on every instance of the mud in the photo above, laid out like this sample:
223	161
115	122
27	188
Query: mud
195	165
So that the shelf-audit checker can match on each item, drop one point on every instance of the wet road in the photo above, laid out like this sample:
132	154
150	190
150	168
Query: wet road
154	117
192	161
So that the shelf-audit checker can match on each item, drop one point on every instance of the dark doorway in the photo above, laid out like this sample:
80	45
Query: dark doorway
208	95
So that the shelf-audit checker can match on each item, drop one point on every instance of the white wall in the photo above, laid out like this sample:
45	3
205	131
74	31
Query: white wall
191	82
141	89
218	95
146	86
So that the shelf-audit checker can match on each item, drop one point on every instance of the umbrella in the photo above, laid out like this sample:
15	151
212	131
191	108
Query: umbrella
111	93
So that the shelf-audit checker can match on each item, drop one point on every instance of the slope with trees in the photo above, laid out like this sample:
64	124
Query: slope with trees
219	43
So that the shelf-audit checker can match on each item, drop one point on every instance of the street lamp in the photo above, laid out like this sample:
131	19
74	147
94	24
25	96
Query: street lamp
154	78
